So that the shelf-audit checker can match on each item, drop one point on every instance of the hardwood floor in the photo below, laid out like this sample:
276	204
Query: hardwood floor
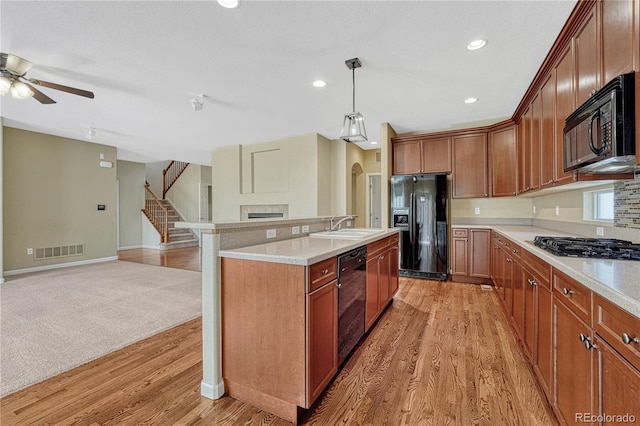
181	258
442	354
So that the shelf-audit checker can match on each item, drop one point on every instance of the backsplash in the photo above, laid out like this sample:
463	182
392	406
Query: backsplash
627	204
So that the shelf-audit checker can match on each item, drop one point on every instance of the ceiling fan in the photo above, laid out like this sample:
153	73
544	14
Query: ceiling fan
12	79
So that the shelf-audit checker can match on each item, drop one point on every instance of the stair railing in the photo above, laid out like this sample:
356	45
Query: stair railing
171	174
157	213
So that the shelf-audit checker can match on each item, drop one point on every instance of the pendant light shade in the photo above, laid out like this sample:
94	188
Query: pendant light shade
353	125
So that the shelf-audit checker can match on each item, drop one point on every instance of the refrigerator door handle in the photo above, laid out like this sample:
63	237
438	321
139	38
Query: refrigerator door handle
412	218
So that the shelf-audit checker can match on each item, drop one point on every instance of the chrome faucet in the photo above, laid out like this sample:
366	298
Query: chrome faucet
338	225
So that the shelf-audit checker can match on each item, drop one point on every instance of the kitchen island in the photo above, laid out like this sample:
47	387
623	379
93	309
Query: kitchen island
280	315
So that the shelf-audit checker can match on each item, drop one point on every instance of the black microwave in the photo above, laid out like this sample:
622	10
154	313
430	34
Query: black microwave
599	137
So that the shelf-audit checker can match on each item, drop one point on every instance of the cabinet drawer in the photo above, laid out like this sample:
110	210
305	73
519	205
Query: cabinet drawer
539	266
514	249
460	232
377	247
617	327
573	294
322	272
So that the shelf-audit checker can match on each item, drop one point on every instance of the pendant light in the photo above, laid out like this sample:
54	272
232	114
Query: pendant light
353	125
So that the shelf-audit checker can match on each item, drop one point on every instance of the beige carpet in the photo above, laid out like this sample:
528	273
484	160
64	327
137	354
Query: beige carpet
55	320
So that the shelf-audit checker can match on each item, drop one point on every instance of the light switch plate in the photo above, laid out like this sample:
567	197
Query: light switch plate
305	229
271	233
476	210
599	231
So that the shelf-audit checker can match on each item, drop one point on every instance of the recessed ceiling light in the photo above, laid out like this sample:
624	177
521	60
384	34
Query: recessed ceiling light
374	143
319	83
229	4
470	100
476	44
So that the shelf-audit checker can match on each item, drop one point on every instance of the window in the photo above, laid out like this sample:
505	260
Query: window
598	205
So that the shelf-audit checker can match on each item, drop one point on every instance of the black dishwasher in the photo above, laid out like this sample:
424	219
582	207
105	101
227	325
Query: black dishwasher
352	282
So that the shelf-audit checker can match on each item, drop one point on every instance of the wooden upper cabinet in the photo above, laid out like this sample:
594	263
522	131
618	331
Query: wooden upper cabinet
406	157
436	155
565	105
587	58
429	155
503	160
534	159
618	51
524	140
547	131
469	164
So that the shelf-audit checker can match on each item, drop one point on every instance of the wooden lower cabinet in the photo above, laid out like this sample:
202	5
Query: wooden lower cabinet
382	277
618	385
471	255
574	365
543	346
322	338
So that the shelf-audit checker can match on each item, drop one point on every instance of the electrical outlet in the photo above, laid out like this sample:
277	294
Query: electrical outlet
271	233
557	210
476	210
101	156
534	209
295	230
599	231
29	250
305	229
348	224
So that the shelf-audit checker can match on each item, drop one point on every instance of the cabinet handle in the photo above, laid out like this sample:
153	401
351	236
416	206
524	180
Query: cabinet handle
566	291
587	341
531	282
516	251
509	260
325	271
628	339
550	181
339	285
381	257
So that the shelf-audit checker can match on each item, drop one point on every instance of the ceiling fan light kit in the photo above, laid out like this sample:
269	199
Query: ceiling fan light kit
353	129
197	103
12	79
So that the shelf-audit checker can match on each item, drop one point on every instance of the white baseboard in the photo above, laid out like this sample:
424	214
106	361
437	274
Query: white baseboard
130	248
212	391
60	265
150	247
1	280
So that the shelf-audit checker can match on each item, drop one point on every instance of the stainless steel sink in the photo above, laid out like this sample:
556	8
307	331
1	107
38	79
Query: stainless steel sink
348	233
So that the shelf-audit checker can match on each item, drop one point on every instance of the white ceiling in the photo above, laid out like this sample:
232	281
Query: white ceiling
145	60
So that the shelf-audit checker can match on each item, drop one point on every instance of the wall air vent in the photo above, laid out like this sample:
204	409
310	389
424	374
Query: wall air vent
59	251
378	157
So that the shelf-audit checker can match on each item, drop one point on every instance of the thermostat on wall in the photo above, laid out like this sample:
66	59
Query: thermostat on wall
106	164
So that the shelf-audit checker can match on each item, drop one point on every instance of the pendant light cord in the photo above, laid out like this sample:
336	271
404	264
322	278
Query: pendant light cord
353	74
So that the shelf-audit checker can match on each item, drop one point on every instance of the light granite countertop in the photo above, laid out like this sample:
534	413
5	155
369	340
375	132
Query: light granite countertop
616	280
303	250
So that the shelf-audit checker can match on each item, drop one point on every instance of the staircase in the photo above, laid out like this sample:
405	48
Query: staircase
178	237
163	215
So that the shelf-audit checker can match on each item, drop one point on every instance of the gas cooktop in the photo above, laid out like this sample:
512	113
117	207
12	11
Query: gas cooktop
599	248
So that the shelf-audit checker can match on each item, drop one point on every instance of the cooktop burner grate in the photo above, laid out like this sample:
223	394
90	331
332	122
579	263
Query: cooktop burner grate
600	248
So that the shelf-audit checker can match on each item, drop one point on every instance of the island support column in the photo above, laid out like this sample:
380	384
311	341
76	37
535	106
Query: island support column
212	385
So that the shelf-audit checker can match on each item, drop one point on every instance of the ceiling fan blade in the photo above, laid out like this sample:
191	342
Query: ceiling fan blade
60	87
40	97
15	64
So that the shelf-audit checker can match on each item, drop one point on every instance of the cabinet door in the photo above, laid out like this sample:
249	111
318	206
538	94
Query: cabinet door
394	260
534	159
543	355
470	178
459	252
503	157
508	284
384	287
436	155
530	315
618	383
406	157
574	368
373	297
517	311
617	38
565	101
480	253
547	131
524	153
322	339
586	54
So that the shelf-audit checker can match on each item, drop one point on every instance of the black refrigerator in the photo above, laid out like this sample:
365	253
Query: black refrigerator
419	210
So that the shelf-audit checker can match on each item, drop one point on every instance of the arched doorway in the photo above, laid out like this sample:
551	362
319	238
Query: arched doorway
358	194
